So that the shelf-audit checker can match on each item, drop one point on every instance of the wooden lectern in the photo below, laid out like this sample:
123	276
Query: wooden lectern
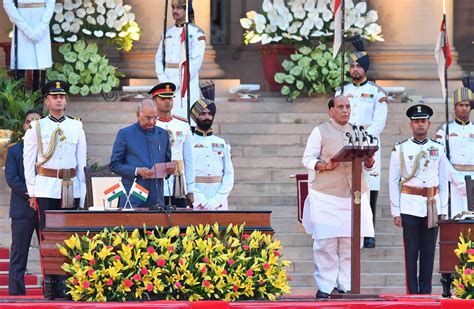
356	155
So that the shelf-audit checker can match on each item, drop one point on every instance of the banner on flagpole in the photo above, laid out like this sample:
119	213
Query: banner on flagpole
337	27
443	55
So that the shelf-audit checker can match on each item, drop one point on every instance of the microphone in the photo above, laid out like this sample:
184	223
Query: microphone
365	135
350	138
357	134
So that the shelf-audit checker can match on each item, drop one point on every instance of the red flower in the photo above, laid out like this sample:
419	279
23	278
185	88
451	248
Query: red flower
149	287
144	271
206	283
468	271
204	270
249	273
150	250
75	281
178	285
235	288
117	257
224	272
161	262
260	282
128	283
182	234
92	262
231	262
266	266
109	247
85	284
171	248
148	232
137	277
130	245
290	278
245	247
276	252
246	236
209	236
470	251
205	260
460	285
90	272
181	262
77	257
109	282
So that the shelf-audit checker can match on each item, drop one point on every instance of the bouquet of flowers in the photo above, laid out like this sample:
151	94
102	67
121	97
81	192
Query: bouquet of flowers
203	263
464	278
300	21
98	19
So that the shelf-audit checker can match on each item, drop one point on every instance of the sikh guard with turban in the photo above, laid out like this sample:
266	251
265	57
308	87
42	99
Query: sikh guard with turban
169	59
459	133
368	109
215	172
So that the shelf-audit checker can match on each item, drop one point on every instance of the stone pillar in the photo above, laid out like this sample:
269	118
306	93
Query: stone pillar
140	63
411	29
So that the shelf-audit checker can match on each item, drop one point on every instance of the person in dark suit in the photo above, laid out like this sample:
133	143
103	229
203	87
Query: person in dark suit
24	218
136	149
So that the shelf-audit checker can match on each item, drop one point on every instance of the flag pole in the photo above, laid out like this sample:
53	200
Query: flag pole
445	53
188	63
165	26
343	17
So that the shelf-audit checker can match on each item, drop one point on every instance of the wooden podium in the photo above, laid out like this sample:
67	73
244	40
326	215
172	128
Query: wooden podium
356	155
60	225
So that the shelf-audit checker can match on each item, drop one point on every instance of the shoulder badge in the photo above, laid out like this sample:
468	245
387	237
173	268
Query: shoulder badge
74	118
199	30
402	141
436	142
180	118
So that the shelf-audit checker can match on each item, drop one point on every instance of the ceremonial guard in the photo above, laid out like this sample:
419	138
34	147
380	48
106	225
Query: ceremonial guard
178	188
215	172
328	208
55	155
418	185
171	58
32	40
458	137
368	109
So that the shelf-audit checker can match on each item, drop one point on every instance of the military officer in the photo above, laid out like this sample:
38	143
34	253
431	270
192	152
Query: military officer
168	61
179	188
368	109
215	172
54	155
31	19
460	135
418	185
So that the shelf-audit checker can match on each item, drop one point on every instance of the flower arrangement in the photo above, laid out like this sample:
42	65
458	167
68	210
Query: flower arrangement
464	278
95	19
300	21
310	70
84	69
204	263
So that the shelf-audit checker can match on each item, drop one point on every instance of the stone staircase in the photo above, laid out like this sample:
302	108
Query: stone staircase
268	140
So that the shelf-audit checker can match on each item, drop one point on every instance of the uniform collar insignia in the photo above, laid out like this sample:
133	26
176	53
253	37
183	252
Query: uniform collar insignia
52	118
165	119
202	132
460	122
362	83
419	142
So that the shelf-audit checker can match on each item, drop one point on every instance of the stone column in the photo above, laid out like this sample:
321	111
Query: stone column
140	63
406	58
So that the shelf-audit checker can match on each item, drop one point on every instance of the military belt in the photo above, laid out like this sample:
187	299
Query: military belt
426	192
31	5
208	179
464	167
61	173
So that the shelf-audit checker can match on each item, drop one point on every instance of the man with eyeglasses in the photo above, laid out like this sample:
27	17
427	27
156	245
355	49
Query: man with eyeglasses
179	187
136	150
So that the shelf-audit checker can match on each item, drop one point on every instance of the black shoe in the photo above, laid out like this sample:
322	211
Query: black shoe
369	242
321	294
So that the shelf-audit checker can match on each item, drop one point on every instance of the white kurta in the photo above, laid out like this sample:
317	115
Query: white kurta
34	42
174	56
181	150
369	109
461	150
70	153
213	155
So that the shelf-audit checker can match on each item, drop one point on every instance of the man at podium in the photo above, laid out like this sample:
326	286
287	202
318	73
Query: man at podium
327	213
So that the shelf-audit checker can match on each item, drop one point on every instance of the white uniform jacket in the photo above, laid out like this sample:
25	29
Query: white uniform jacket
461	150
213	155
432	172
368	109
69	153
34	42
181	150
175	54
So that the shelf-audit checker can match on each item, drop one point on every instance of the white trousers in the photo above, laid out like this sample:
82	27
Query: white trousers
332	263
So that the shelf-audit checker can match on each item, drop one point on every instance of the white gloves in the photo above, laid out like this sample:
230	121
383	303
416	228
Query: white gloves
211	204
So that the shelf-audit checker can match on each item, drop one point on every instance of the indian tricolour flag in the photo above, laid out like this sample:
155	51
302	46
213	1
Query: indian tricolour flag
139	192
115	191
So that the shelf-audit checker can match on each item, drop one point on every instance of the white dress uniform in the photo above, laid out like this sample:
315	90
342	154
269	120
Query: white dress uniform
174	56
327	216
214	173
461	150
369	109
181	150
32	18
69	154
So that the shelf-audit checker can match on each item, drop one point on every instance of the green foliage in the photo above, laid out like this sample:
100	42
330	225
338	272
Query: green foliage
311	70
84	69
14	103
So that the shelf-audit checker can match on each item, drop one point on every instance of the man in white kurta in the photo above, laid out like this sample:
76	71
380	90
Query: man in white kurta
214	172
460	135
171	68
178	188
368	109
327	214
31	18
